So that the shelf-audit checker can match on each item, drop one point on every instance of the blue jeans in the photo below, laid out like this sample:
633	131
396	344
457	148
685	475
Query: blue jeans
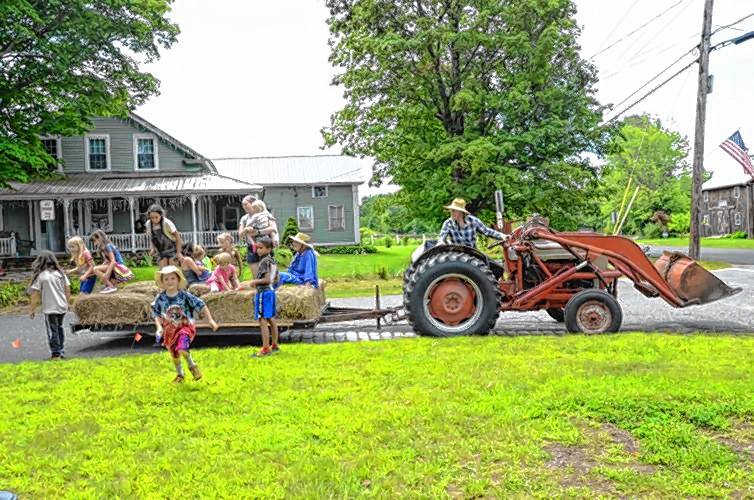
55	335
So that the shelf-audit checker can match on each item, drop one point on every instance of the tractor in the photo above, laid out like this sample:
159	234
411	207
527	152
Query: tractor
454	290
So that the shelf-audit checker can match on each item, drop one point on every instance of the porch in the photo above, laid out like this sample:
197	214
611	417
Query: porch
200	213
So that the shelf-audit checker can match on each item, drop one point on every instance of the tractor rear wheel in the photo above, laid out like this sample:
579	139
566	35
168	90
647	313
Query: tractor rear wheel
557	314
593	311
451	294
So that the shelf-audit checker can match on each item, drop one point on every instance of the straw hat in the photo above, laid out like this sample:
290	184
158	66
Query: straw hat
182	283
459	204
304	239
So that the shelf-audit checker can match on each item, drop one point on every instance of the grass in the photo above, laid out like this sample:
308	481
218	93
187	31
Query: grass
705	242
625	415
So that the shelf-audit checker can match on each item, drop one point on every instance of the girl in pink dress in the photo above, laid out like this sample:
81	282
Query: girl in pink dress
224	276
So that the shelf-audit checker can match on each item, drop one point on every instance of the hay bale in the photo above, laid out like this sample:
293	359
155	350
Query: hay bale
294	303
119	308
299	302
231	307
143	287
199	289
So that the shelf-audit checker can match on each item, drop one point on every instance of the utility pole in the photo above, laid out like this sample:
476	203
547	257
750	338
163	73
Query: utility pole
701	112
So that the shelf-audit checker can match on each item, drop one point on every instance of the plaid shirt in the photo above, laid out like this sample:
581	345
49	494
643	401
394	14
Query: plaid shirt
466	236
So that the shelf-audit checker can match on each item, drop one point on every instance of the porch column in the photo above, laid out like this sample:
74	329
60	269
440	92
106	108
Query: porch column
193	215
131	203
66	218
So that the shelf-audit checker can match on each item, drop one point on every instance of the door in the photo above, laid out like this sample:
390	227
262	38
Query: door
53	231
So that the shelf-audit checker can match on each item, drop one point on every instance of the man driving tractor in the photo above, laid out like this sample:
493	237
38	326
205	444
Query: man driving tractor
462	227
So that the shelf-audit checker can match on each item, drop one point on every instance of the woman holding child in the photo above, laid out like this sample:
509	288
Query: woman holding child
257	222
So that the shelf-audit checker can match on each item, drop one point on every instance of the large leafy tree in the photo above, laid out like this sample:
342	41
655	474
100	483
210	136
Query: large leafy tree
462	97
649	160
63	61
387	213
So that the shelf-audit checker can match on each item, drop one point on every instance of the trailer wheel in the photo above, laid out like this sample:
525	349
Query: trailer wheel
593	311
557	314
451	294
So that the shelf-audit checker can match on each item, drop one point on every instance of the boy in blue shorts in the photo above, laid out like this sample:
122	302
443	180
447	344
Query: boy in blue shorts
265	302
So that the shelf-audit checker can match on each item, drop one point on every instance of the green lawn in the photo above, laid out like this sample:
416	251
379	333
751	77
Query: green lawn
625	415
705	242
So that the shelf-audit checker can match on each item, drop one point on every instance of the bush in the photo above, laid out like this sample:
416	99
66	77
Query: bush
291	228
651	231
738	235
283	256
679	223
406	241
382	273
347	250
387	241
12	294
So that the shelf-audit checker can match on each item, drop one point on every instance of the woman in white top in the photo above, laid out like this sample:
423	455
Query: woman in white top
258	222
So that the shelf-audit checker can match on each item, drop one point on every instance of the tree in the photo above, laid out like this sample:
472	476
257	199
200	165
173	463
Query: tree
460	97
653	159
64	61
386	213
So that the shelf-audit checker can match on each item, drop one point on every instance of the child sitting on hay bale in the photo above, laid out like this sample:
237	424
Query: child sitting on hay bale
225	242
113	269
224	277
192	264
265	303
173	312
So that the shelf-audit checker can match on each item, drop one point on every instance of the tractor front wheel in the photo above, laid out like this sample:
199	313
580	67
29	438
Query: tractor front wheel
593	311
451	294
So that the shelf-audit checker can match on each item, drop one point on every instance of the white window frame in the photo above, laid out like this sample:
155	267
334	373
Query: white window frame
58	148
155	143
330	219
87	138
705	220
705	196
722	203
737	219
298	218
737	192
88	215
327	192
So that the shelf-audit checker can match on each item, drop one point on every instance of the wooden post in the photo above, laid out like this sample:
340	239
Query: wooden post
701	112
377	305
193	214
66	218
131	203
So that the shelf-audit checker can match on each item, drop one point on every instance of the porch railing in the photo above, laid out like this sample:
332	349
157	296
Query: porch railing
207	239
8	247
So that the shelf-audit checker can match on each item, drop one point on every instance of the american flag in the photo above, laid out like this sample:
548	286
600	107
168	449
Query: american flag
734	146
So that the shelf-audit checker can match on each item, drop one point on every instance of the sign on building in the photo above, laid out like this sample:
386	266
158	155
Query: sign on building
47	209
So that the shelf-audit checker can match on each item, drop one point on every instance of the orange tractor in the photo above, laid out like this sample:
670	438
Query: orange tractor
455	290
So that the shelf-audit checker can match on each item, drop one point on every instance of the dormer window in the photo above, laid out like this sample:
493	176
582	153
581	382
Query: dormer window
97	152
52	146
145	152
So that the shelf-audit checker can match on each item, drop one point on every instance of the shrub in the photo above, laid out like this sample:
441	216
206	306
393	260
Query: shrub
347	250
738	235
651	231
382	273
291	228
12	293
387	241
406	241
679	223
283	256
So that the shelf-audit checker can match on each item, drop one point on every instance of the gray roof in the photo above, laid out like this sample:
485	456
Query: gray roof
295	170
114	185
172	140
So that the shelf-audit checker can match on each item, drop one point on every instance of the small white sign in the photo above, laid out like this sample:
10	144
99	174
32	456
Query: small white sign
47	209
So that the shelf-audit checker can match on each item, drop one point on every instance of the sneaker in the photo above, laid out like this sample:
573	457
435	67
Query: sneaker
195	372
262	353
108	289
178	379
274	348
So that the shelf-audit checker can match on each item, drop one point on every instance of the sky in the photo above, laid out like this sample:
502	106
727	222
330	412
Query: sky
251	78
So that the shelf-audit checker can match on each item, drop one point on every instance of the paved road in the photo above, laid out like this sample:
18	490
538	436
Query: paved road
732	255
735	314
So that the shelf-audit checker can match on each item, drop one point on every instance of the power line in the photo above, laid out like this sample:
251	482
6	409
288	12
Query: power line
655	89
676	61
733	23
638	29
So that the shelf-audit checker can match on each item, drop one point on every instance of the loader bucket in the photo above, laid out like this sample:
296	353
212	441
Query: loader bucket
690	281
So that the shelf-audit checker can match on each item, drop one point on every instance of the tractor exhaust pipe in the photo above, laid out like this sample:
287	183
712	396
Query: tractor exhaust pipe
499	209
